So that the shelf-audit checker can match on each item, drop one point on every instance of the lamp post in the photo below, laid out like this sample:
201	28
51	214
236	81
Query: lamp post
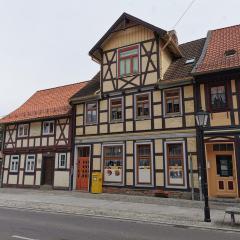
202	121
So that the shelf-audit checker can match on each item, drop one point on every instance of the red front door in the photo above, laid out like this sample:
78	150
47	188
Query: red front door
83	169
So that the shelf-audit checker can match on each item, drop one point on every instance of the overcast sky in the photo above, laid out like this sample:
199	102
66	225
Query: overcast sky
45	43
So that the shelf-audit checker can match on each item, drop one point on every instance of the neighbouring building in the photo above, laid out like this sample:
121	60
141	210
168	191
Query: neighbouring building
1	157
217	76
37	140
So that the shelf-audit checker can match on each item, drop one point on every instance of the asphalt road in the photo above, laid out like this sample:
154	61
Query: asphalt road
19	224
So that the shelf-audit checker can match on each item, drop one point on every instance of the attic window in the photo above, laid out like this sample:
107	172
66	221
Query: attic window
230	52
190	61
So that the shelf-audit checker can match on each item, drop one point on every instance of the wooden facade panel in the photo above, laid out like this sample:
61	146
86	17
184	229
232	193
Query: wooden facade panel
96	164
129	162
166	60
29	180
151	78
91	129
116	127
159	162
191	144
190	120
157	96
79	109
158	123
129	100
129	147
202	97
233	86
103	128
159	179
175	122
61	179
97	149
35	129
220	119
127	37
189	106
188	91
103	105
129	126
129	179
143	125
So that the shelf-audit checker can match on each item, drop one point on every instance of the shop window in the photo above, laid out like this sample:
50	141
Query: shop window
48	127
113	164
224	165
91	113
144	164
218	98
23	130
30	163
128	61
116	109
175	164
14	164
172	102
143	106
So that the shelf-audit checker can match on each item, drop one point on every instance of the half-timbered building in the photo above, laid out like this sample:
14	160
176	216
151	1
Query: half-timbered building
135	120
37	140
217	76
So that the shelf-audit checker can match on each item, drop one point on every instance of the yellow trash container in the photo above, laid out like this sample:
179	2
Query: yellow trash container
97	182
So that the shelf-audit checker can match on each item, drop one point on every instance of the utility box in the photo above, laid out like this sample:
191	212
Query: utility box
97	182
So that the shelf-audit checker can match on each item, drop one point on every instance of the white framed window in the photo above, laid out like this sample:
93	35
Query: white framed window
48	127
113	163
23	130
62	160
30	163
175	164
116	109
144	164
142	106
91	112
14	164
172	102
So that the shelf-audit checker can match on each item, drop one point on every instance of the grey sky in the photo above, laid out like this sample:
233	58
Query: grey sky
45	43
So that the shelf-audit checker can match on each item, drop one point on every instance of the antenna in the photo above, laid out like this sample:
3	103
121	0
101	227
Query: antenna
181	17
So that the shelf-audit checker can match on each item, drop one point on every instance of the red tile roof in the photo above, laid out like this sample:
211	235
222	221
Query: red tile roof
46	103
218	42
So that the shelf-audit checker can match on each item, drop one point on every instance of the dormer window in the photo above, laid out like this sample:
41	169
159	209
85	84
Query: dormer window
128	61
230	52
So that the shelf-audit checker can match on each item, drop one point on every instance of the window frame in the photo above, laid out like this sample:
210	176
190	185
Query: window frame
125	49
10	165
59	160
209	96
139	118
152	170
122	183
184	161
110	110
23	125
27	170
48	133
86	111
165	103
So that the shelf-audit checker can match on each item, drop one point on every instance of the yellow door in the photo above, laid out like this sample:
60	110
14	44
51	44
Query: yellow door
222	176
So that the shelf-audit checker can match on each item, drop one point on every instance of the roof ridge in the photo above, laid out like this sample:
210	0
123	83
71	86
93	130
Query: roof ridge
236	25
192	41
70	84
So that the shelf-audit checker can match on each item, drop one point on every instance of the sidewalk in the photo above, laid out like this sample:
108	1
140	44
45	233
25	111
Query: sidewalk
136	208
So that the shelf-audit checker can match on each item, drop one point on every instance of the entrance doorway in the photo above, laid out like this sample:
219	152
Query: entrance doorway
83	169
47	170
222	175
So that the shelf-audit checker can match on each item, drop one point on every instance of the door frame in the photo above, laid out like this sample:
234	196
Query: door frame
51	155
77	147
234	164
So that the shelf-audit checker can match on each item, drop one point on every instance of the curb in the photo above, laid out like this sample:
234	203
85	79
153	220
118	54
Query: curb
181	225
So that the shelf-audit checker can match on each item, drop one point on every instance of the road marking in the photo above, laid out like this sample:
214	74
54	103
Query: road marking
21	237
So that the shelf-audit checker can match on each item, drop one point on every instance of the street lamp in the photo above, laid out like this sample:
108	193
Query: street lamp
202	121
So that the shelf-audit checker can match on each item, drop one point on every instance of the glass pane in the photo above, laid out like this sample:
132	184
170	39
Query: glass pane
128	66
122	67
128	53
135	65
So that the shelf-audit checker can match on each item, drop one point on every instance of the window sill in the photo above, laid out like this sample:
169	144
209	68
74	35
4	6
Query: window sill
48	134
142	119
91	124
128	75
173	115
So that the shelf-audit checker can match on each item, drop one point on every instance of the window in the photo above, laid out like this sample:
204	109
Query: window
116	109
224	165
175	164
91	113
113	164
128	61
223	147
142	106
218	99
144	163
23	130
62	160
48	127
172	102
14	164
30	163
